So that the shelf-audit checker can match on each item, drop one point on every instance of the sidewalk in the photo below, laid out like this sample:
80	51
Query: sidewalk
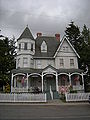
49	102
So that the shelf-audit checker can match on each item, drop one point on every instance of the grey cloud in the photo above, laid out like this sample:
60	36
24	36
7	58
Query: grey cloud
47	16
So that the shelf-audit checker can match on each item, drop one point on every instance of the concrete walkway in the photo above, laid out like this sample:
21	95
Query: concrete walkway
49	102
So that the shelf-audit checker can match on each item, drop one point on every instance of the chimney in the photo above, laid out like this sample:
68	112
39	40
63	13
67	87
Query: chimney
57	36
39	34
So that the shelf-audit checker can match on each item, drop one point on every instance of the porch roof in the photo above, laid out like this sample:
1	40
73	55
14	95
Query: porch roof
31	70
70	70
26	70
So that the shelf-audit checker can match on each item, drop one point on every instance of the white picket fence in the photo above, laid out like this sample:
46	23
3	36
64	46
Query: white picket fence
23	97
77	97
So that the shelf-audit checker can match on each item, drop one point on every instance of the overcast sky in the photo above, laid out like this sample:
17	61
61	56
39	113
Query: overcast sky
46	16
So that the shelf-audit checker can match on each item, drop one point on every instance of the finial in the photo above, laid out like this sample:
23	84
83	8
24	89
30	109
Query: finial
27	25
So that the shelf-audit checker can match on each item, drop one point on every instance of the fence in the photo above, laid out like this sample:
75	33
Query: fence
77	97
23	97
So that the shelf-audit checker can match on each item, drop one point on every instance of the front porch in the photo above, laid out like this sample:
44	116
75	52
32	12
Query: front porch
47	80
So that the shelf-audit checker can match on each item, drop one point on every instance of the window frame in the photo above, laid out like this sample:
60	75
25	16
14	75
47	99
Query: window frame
25	46
25	62
31	46
61	62
72	62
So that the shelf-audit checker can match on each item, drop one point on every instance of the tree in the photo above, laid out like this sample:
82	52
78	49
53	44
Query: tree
7	59
72	32
85	51
81	42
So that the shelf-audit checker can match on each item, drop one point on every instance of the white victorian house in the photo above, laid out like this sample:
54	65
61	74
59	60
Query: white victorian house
46	64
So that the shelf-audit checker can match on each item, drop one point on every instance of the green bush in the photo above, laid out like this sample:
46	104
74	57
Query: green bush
73	91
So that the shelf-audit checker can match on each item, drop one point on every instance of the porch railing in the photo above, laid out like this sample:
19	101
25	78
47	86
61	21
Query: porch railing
77	97
19	89
78	87
23	97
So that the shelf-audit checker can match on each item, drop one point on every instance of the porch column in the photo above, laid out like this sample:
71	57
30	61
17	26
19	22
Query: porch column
70	79
83	80
12	82
56	81
27	81
15	82
42	82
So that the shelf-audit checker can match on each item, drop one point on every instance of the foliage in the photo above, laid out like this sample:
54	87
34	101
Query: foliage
7	59
73	34
7	88
81	43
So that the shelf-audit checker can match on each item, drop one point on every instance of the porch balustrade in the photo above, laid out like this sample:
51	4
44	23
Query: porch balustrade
19	89
78	87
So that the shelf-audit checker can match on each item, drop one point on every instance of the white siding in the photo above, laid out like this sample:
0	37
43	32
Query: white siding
44	63
66	53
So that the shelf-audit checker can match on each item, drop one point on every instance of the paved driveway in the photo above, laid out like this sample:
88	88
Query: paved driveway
44	112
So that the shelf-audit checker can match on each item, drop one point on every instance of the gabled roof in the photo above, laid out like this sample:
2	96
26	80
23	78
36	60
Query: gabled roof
50	66
64	38
52	45
26	34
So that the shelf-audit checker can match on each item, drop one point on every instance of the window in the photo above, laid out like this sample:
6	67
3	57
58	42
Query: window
31	47
71	62
61	62
25	46
25	62
38	63
43	47
19	47
32	62
65	48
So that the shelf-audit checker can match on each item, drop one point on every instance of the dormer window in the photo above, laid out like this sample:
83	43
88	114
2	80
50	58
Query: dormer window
43	47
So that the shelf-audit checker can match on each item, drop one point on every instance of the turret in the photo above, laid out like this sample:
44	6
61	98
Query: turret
26	49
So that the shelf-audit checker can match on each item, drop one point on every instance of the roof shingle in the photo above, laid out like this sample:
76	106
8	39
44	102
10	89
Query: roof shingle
52	45
26	34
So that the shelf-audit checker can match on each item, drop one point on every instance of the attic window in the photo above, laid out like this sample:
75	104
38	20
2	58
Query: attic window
43	47
65	48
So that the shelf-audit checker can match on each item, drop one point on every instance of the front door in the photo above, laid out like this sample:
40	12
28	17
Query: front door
49	82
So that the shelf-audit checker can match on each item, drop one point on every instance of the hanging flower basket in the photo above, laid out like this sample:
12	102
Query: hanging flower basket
76	78
64	78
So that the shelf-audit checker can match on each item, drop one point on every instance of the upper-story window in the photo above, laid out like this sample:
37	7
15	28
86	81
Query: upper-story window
61	62
39	63
19	47
25	61
25	46
31	47
72	62
43	47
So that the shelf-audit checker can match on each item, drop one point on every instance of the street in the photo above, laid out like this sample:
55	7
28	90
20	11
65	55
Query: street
44	112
